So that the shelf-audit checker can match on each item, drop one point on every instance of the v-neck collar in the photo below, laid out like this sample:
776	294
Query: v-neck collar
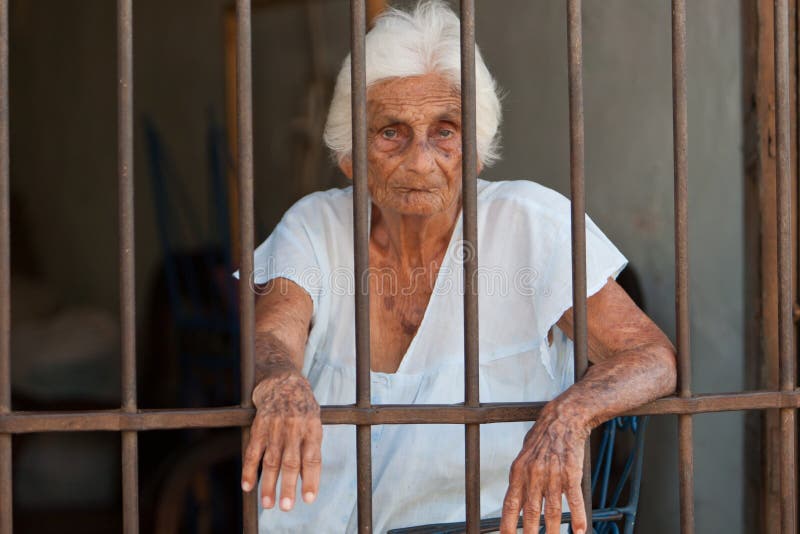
448	270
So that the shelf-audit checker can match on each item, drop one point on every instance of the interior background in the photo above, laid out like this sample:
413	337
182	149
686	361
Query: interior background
63	157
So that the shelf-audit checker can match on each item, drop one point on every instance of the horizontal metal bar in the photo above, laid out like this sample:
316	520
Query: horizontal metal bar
117	420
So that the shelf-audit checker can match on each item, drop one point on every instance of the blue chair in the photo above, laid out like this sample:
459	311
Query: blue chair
609	515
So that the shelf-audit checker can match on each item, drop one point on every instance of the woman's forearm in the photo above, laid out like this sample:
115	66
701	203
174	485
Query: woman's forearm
273	356
618	384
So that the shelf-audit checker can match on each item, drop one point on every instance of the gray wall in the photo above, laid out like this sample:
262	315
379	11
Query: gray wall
63	150
627	92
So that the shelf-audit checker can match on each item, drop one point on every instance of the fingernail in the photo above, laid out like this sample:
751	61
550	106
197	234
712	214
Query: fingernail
286	504
245	486
266	502
580	531
309	497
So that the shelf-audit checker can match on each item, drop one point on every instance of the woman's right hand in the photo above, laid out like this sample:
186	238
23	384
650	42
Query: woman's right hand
286	437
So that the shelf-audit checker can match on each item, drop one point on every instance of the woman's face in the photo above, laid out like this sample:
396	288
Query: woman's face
413	144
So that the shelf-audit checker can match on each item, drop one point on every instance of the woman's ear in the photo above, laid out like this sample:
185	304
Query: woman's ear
480	167
346	164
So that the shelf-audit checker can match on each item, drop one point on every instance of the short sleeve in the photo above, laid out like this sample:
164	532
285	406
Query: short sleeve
289	252
603	261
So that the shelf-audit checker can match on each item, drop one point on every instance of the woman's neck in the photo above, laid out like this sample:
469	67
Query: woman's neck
413	240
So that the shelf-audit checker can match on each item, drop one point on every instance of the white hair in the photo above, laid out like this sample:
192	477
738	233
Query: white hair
403	44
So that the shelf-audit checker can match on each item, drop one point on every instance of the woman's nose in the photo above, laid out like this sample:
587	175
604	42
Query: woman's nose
420	158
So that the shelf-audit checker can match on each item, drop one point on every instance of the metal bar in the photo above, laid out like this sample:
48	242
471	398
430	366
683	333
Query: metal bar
358	95
785	308
680	145
681	195
469	202
127	288
6	491
577	193
472	475
130	482
578	198
244	119
126	214
360	202
469	170
364	477
386	414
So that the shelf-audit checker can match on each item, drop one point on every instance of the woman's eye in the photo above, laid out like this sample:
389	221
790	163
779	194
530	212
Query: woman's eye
445	133
389	133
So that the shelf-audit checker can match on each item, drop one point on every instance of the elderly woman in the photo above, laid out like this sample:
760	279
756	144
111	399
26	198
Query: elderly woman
305	342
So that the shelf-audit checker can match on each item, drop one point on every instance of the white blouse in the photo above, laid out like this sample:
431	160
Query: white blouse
525	284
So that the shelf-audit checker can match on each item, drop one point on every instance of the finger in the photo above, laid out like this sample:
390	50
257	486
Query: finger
532	511
290	468
312	463
552	503
512	501
577	508
271	465
252	456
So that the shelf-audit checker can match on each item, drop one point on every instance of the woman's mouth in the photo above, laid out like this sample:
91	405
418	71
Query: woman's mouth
415	190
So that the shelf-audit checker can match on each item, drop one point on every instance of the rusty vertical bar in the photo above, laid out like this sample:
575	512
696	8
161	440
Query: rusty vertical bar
469	201
470	254
244	121
577	185
358	95
680	142
578	197
6	492
127	288
785	320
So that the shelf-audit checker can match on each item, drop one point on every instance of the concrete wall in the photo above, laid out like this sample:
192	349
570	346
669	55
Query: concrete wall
64	162
627	93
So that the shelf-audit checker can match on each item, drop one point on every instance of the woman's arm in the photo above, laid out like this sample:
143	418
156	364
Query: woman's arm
286	434
633	360
634	363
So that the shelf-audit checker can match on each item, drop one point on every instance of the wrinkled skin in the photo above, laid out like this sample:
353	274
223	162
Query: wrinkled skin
550	463
414	177
286	433
633	363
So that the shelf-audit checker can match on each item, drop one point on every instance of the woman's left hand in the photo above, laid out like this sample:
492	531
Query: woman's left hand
550	463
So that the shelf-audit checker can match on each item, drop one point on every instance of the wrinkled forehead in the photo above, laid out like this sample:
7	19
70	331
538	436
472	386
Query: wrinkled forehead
414	96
